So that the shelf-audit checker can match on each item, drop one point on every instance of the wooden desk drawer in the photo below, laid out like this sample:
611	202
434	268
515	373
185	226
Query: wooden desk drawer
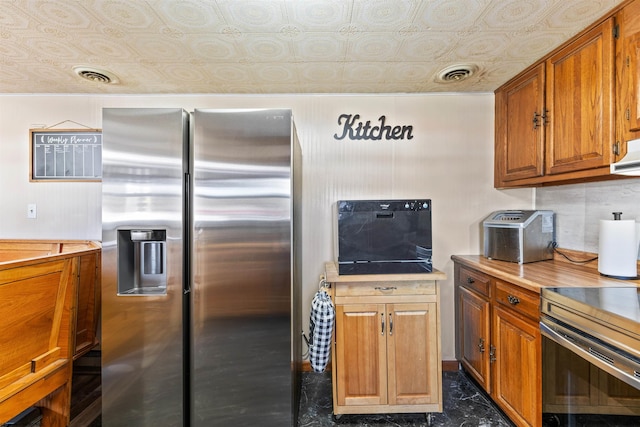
517	299
382	288
475	280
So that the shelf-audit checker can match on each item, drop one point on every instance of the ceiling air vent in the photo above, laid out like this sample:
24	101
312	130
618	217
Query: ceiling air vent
456	73
96	75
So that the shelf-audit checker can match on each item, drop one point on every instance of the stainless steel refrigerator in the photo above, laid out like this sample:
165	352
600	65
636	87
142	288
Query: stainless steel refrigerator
201	268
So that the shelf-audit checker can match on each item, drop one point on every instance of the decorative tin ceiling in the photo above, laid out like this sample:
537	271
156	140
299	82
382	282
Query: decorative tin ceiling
279	46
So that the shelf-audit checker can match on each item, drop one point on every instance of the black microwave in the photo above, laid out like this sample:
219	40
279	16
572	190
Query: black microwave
384	236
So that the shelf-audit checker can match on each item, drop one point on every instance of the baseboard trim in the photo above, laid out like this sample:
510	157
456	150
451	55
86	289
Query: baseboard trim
450	365
447	366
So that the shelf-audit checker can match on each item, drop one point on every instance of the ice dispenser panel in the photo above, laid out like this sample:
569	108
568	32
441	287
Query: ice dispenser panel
142	262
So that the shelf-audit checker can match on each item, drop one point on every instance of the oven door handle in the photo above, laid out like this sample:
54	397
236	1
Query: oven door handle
603	363
559	339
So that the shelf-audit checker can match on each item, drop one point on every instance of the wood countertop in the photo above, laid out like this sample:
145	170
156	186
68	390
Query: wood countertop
542	274
332	276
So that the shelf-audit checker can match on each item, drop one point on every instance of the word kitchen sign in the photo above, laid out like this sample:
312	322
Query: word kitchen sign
353	128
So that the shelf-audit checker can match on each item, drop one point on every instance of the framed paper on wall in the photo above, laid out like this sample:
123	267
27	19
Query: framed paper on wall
65	154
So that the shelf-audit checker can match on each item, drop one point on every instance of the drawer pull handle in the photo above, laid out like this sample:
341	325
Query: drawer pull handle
385	288
470	280
513	300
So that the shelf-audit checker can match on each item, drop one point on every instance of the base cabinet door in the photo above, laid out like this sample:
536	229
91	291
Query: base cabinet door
516	356
361	354
412	354
88	314
474	335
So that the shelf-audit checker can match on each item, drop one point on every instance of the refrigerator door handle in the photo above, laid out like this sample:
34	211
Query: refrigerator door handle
186	250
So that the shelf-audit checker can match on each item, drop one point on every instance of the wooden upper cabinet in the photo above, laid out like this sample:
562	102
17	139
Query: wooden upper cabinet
628	74
579	91
557	121
519	148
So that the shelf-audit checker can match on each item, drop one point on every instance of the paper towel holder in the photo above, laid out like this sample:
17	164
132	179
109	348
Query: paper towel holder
619	261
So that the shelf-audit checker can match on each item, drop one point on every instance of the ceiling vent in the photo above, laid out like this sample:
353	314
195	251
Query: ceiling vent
96	75
456	73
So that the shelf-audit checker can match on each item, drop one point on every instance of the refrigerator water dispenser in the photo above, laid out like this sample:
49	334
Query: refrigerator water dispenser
142	262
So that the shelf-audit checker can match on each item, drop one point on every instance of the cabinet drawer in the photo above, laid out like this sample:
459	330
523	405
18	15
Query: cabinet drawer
517	299
475	280
356	289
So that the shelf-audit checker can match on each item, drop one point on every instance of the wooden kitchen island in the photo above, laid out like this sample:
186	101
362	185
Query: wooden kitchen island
49	308
386	343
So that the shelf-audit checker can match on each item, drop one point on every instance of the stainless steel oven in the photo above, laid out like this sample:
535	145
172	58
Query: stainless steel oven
590	356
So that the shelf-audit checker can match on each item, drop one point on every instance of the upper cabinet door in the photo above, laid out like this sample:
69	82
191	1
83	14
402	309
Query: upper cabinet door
628	74
634	81
519	148
580	130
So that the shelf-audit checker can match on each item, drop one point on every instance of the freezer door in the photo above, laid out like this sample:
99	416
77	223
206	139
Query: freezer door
142	266
241	320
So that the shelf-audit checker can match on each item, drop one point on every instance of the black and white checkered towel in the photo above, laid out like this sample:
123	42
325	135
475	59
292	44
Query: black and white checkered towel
321	328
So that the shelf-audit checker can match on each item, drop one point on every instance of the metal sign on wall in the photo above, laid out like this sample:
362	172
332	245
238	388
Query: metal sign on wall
65	154
355	129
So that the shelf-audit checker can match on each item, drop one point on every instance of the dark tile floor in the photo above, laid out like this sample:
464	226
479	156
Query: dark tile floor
464	405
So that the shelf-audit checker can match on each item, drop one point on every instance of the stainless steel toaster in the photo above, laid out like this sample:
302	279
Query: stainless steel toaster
519	235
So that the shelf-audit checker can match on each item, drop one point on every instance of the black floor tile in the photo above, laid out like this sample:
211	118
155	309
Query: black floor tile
464	405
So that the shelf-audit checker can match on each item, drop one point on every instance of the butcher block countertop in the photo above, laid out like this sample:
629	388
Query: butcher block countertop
534	276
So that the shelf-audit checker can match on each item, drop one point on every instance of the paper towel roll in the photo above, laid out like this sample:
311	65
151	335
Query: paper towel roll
618	248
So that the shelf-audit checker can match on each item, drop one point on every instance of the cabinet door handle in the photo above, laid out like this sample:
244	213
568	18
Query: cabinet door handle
536	119
492	353
481	345
540	119
470	280
385	288
390	323
513	300
382	324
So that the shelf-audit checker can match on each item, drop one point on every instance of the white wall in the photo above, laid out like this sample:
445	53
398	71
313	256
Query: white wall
449	160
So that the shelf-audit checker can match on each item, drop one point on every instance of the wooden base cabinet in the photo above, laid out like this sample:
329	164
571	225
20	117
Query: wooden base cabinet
499	342
386	347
